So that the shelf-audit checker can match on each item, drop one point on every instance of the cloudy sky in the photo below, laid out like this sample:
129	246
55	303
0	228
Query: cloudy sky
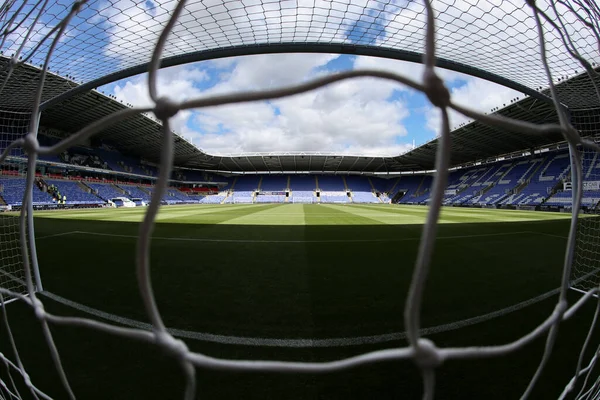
360	116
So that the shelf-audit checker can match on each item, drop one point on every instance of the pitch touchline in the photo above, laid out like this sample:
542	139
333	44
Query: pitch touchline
287	241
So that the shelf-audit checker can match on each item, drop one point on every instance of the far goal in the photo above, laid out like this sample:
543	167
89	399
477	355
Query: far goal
303	200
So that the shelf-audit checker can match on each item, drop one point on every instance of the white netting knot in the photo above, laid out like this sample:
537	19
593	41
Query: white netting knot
434	88
27	379
561	307
173	347
165	108
31	144
427	354
38	308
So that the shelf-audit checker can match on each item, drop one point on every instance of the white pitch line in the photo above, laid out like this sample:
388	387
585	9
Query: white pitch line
296	241
549	234
55	235
302	342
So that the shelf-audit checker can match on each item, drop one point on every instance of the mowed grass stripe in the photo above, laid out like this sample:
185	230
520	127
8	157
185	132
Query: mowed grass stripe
137	214
265	216
340	215
208	218
381	217
452	214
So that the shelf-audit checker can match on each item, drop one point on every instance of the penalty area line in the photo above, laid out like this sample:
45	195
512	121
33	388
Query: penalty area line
302	342
388	240
56	235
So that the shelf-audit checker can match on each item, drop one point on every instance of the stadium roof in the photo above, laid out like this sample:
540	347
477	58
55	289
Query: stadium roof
140	135
493	40
106	42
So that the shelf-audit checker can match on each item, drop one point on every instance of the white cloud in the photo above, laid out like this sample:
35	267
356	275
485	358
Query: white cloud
357	115
354	115
478	95
177	83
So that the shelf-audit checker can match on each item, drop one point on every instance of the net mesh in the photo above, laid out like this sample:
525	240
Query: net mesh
550	41
12	188
586	266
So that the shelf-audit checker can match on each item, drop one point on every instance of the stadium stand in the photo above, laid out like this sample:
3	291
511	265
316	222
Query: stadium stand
274	183
362	191
364	197
12	190
212	199
75	192
133	192
522	182
304	183
541	184
247	183
414	187
242	196
105	191
331	183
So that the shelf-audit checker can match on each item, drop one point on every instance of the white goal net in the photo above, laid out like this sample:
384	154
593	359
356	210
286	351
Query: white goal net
586	263
13	126
53	49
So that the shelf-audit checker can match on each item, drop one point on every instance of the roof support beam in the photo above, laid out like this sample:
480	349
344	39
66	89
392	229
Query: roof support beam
335	48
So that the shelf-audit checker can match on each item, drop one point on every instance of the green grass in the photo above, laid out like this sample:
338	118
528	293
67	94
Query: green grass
299	271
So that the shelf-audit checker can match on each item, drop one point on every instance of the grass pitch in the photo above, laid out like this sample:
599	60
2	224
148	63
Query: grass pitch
311	282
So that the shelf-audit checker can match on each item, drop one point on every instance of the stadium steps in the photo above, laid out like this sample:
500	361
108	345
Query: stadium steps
373	189
84	187
519	188
317	188
371	184
230	191
120	190
2	201
496	182
345	184
346	189
395	184
531	170
486	189
259	184
418	191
